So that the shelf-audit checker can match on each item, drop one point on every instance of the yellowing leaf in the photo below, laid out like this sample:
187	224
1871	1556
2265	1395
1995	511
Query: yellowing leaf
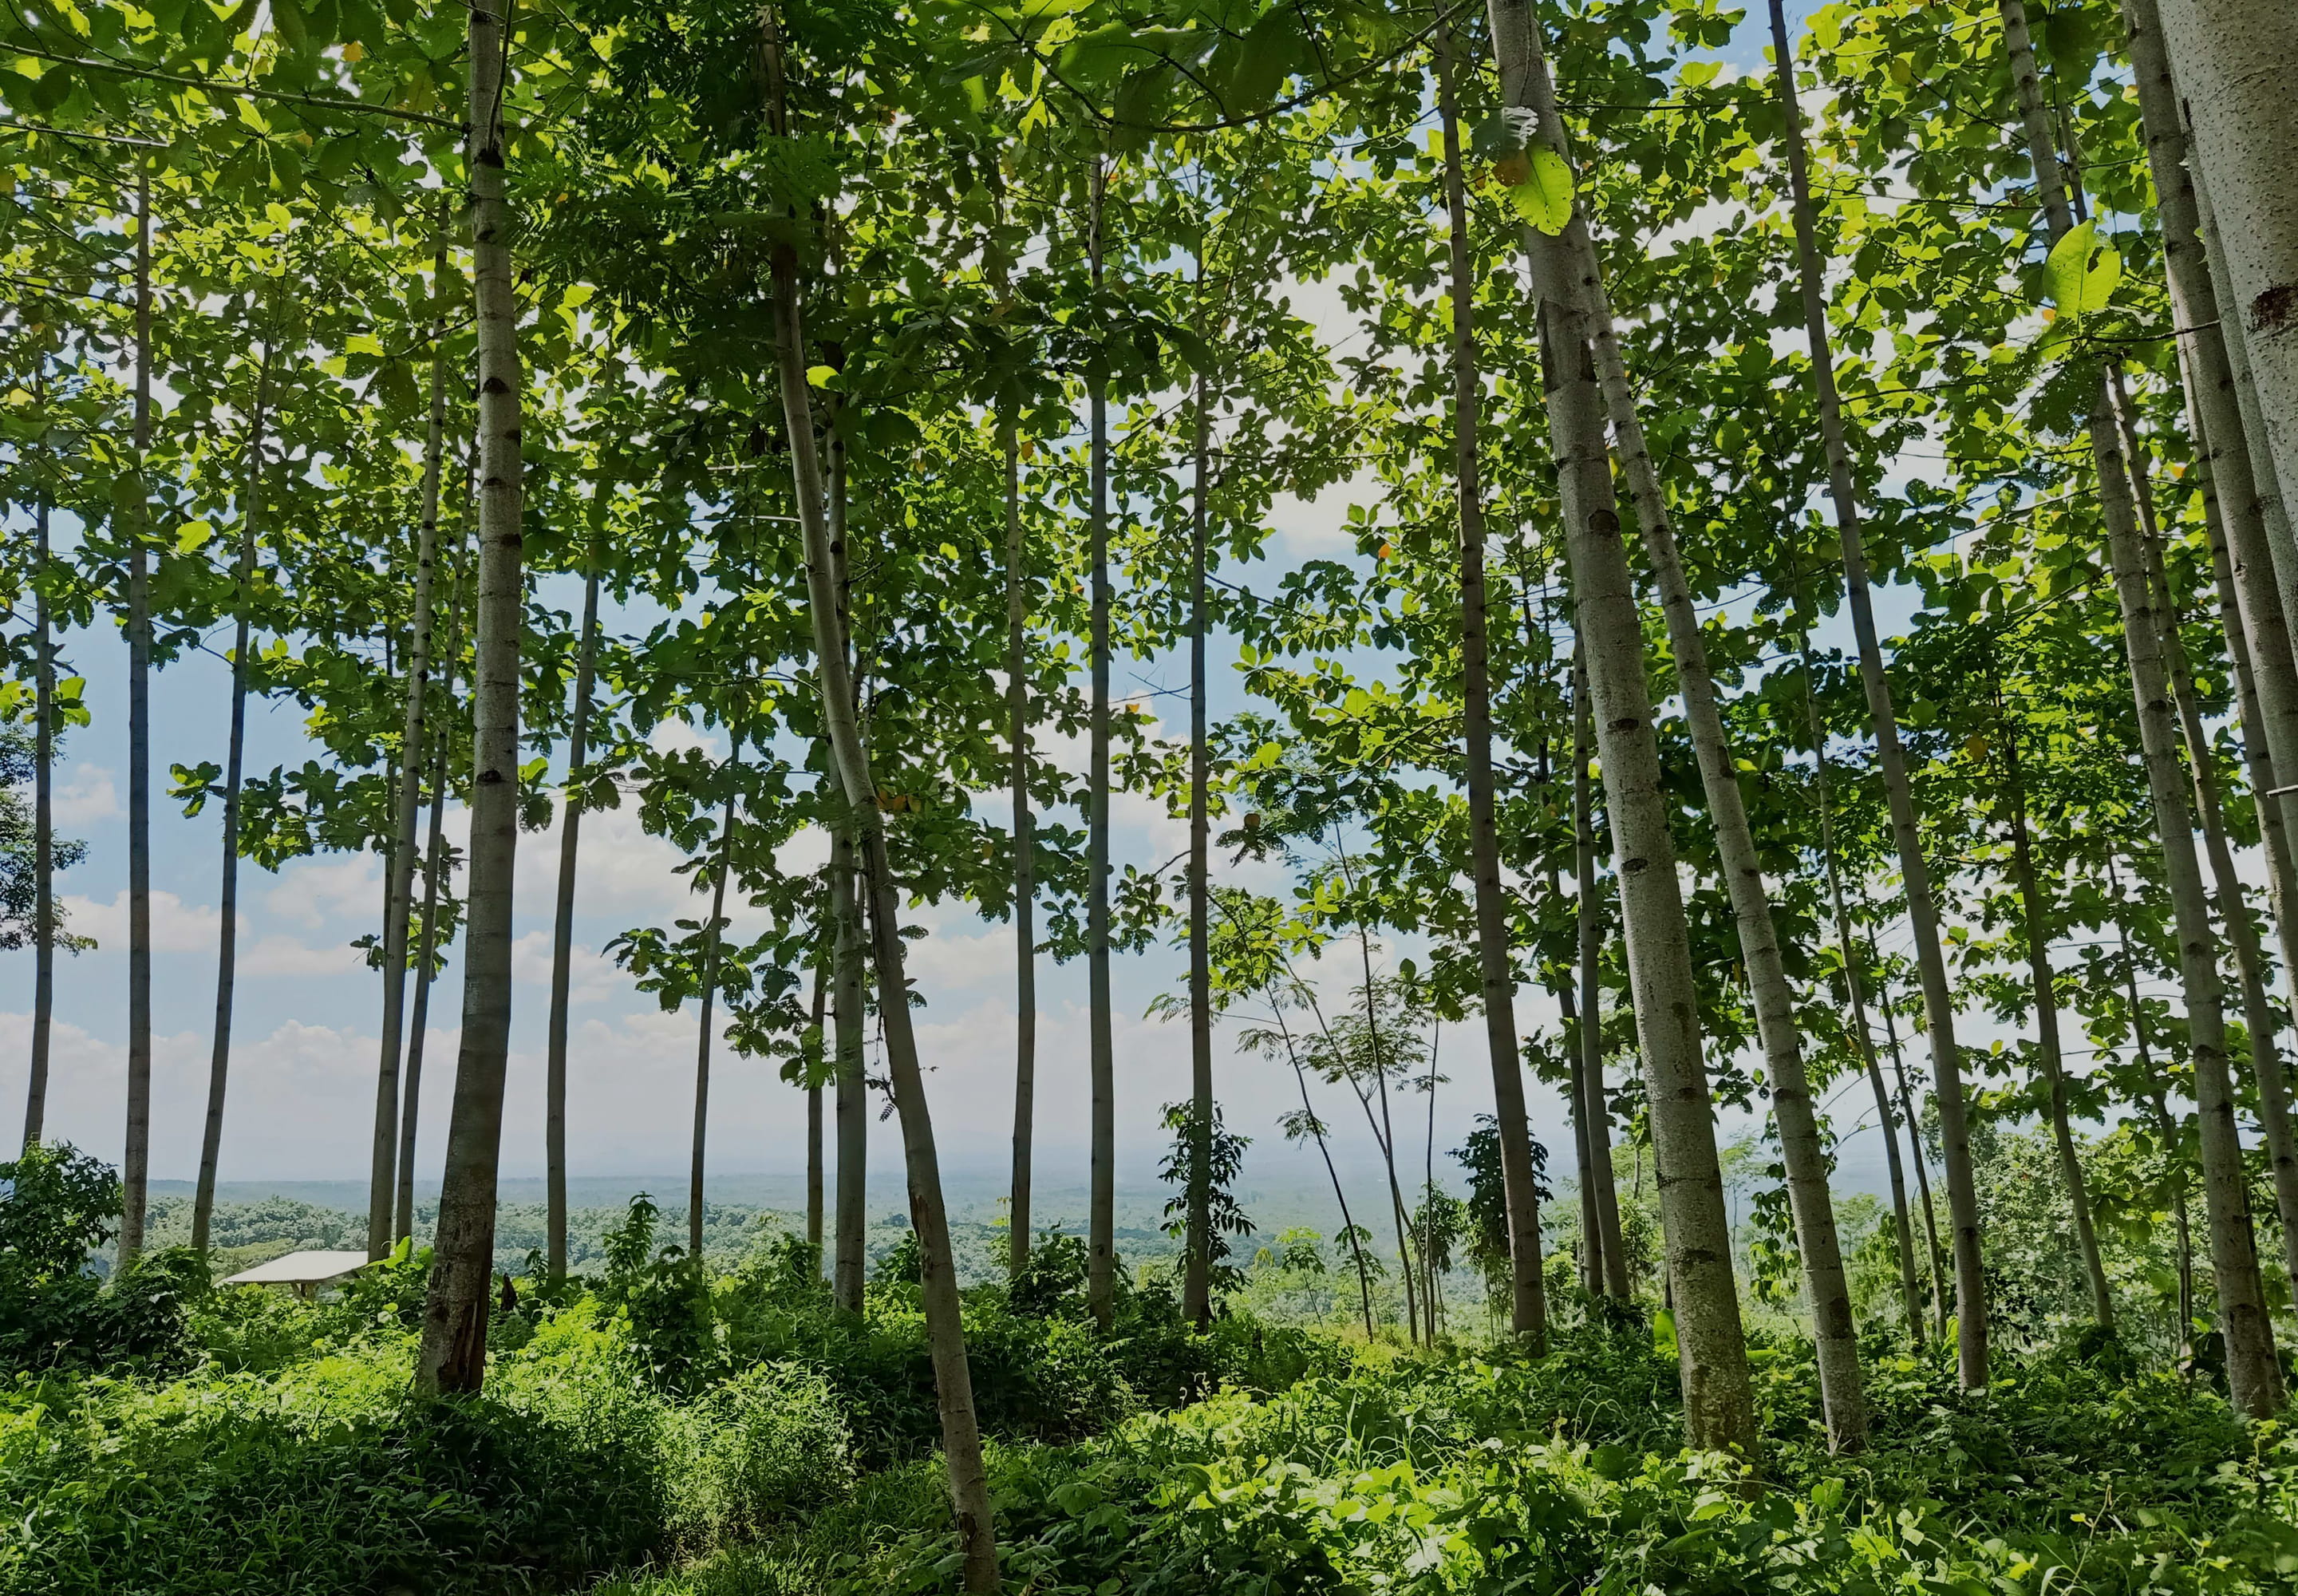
1544	198
2082	271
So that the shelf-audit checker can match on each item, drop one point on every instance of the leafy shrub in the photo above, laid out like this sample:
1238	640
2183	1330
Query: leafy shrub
58	1206
758	1448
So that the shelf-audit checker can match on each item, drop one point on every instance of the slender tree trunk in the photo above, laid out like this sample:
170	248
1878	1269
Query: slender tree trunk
712	943
44	828
1196	1285
2034	916
435	866
1922	1156
1922	907
1910	1286
2172	1153
135	1165
236	748
1718	1404
1025	843
1594	1105
1591	1228
814	1184
968	1484
454	1351
1428	1194
1101	1263
562	934
2235	61
382	1183
852	1091
1527	1294
2234	908
1324	1151
2251	1373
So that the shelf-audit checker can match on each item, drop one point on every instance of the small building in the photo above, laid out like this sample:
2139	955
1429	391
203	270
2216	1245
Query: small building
305	1273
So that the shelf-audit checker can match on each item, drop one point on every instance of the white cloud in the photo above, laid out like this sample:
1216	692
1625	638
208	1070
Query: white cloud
311	891
88	794
277	954
591	976
175	927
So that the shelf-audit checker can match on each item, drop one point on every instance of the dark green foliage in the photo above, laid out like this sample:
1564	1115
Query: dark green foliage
1224	1156
59	1205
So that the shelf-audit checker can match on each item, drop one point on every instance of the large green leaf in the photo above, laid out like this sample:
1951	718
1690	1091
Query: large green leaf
1544	198
2082	271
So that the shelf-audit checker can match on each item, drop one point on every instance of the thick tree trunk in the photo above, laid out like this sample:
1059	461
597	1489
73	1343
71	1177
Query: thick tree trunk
1196	1283
1025	843
44	828
1100	1220
454	1351
1718	1404
1594	1105
968	1484
435	866
399	892
135	1164
1910	1284
562	933
1527	1296
2034	916
1834	1335
2234	908
2235	61
2253	1375
1922	907
251	517
2274	504
712	943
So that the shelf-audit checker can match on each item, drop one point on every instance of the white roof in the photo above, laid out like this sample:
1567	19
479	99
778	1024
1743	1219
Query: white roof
314	1267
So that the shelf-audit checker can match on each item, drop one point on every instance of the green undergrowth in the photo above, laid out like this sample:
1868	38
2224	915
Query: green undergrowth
1481	1475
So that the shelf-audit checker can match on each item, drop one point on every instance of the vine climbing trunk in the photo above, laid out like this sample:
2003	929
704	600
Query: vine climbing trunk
1718	1403
1495	963
1594	1105
1025	844
2235	61
1910	1284
1101	1202
1196	1283
2253	1375
134	1163
453	1357
562	921
251	518
713	943
435	868
399	892
968	1484
2035	927
1907	833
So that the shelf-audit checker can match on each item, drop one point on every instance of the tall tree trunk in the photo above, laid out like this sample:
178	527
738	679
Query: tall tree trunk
1594	1105
852	1091
435	866
1576	1029
135	1164
1922	907
454	1351
1910	1285
1196	1284
712	942
2034	916
2274	503
2253	1375
1915	1146
44	828
2235	61
1718	1404
1527	1291
383	1184
814	1184
968	1484
1101	1225
2234	907
562	934
2164	1124
236	748
1025	843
